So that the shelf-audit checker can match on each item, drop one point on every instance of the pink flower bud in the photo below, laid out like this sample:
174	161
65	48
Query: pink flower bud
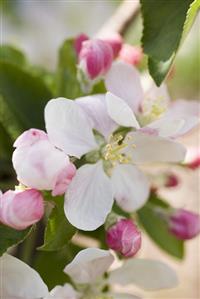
95	58
172	180
40	165
192	159
124	237
115	41
20	209
130	54
79	41
184	225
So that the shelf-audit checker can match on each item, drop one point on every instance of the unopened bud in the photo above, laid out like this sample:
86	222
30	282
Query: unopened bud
184	225
20	209
192	159
95	59
79	41
171	180
124	237
131	54
115	41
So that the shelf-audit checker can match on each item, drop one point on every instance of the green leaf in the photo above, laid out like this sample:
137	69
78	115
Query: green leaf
67	84
50	265
157	228
6	143
25	94
58	231
10	237
166	24
10	54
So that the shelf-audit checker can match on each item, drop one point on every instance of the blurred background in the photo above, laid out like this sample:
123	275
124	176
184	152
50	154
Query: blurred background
39	28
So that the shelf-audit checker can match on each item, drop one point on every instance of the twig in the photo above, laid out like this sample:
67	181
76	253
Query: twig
122	18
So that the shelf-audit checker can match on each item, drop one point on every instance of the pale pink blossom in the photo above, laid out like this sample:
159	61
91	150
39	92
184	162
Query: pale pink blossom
20	209
41	165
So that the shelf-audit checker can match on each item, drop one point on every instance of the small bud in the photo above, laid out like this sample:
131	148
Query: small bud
184	225
192	159
171	180
124	237
79	41
20	209
130	54
95	59
40	165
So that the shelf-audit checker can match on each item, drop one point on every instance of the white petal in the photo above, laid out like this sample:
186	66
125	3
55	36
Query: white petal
146	274
20	280
95	107
130	187
189	111
68	127
123	296
89	264
185	108
120	112
146	148
89	197
168	127
123	80
63	292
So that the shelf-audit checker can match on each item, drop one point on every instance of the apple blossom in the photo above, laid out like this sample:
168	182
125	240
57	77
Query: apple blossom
124	237
114	174
87	271
172	180
21	208
65	292
183	224
40	165
131	54
19	281
115	40
128	105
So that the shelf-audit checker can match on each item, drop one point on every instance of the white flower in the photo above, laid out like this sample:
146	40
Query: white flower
20	281
90	195
128	102
89	266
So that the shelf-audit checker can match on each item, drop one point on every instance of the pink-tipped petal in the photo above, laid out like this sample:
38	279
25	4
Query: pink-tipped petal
64	179
30	137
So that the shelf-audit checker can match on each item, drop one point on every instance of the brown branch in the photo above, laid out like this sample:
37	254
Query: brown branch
122	18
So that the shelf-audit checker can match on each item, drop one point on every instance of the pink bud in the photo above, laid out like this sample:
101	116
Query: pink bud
130	54
124	237
95	58
172	180
78	42
192	159
20	209
115	41
40	165
184	225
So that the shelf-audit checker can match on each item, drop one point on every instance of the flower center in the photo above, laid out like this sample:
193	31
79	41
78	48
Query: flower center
113	151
